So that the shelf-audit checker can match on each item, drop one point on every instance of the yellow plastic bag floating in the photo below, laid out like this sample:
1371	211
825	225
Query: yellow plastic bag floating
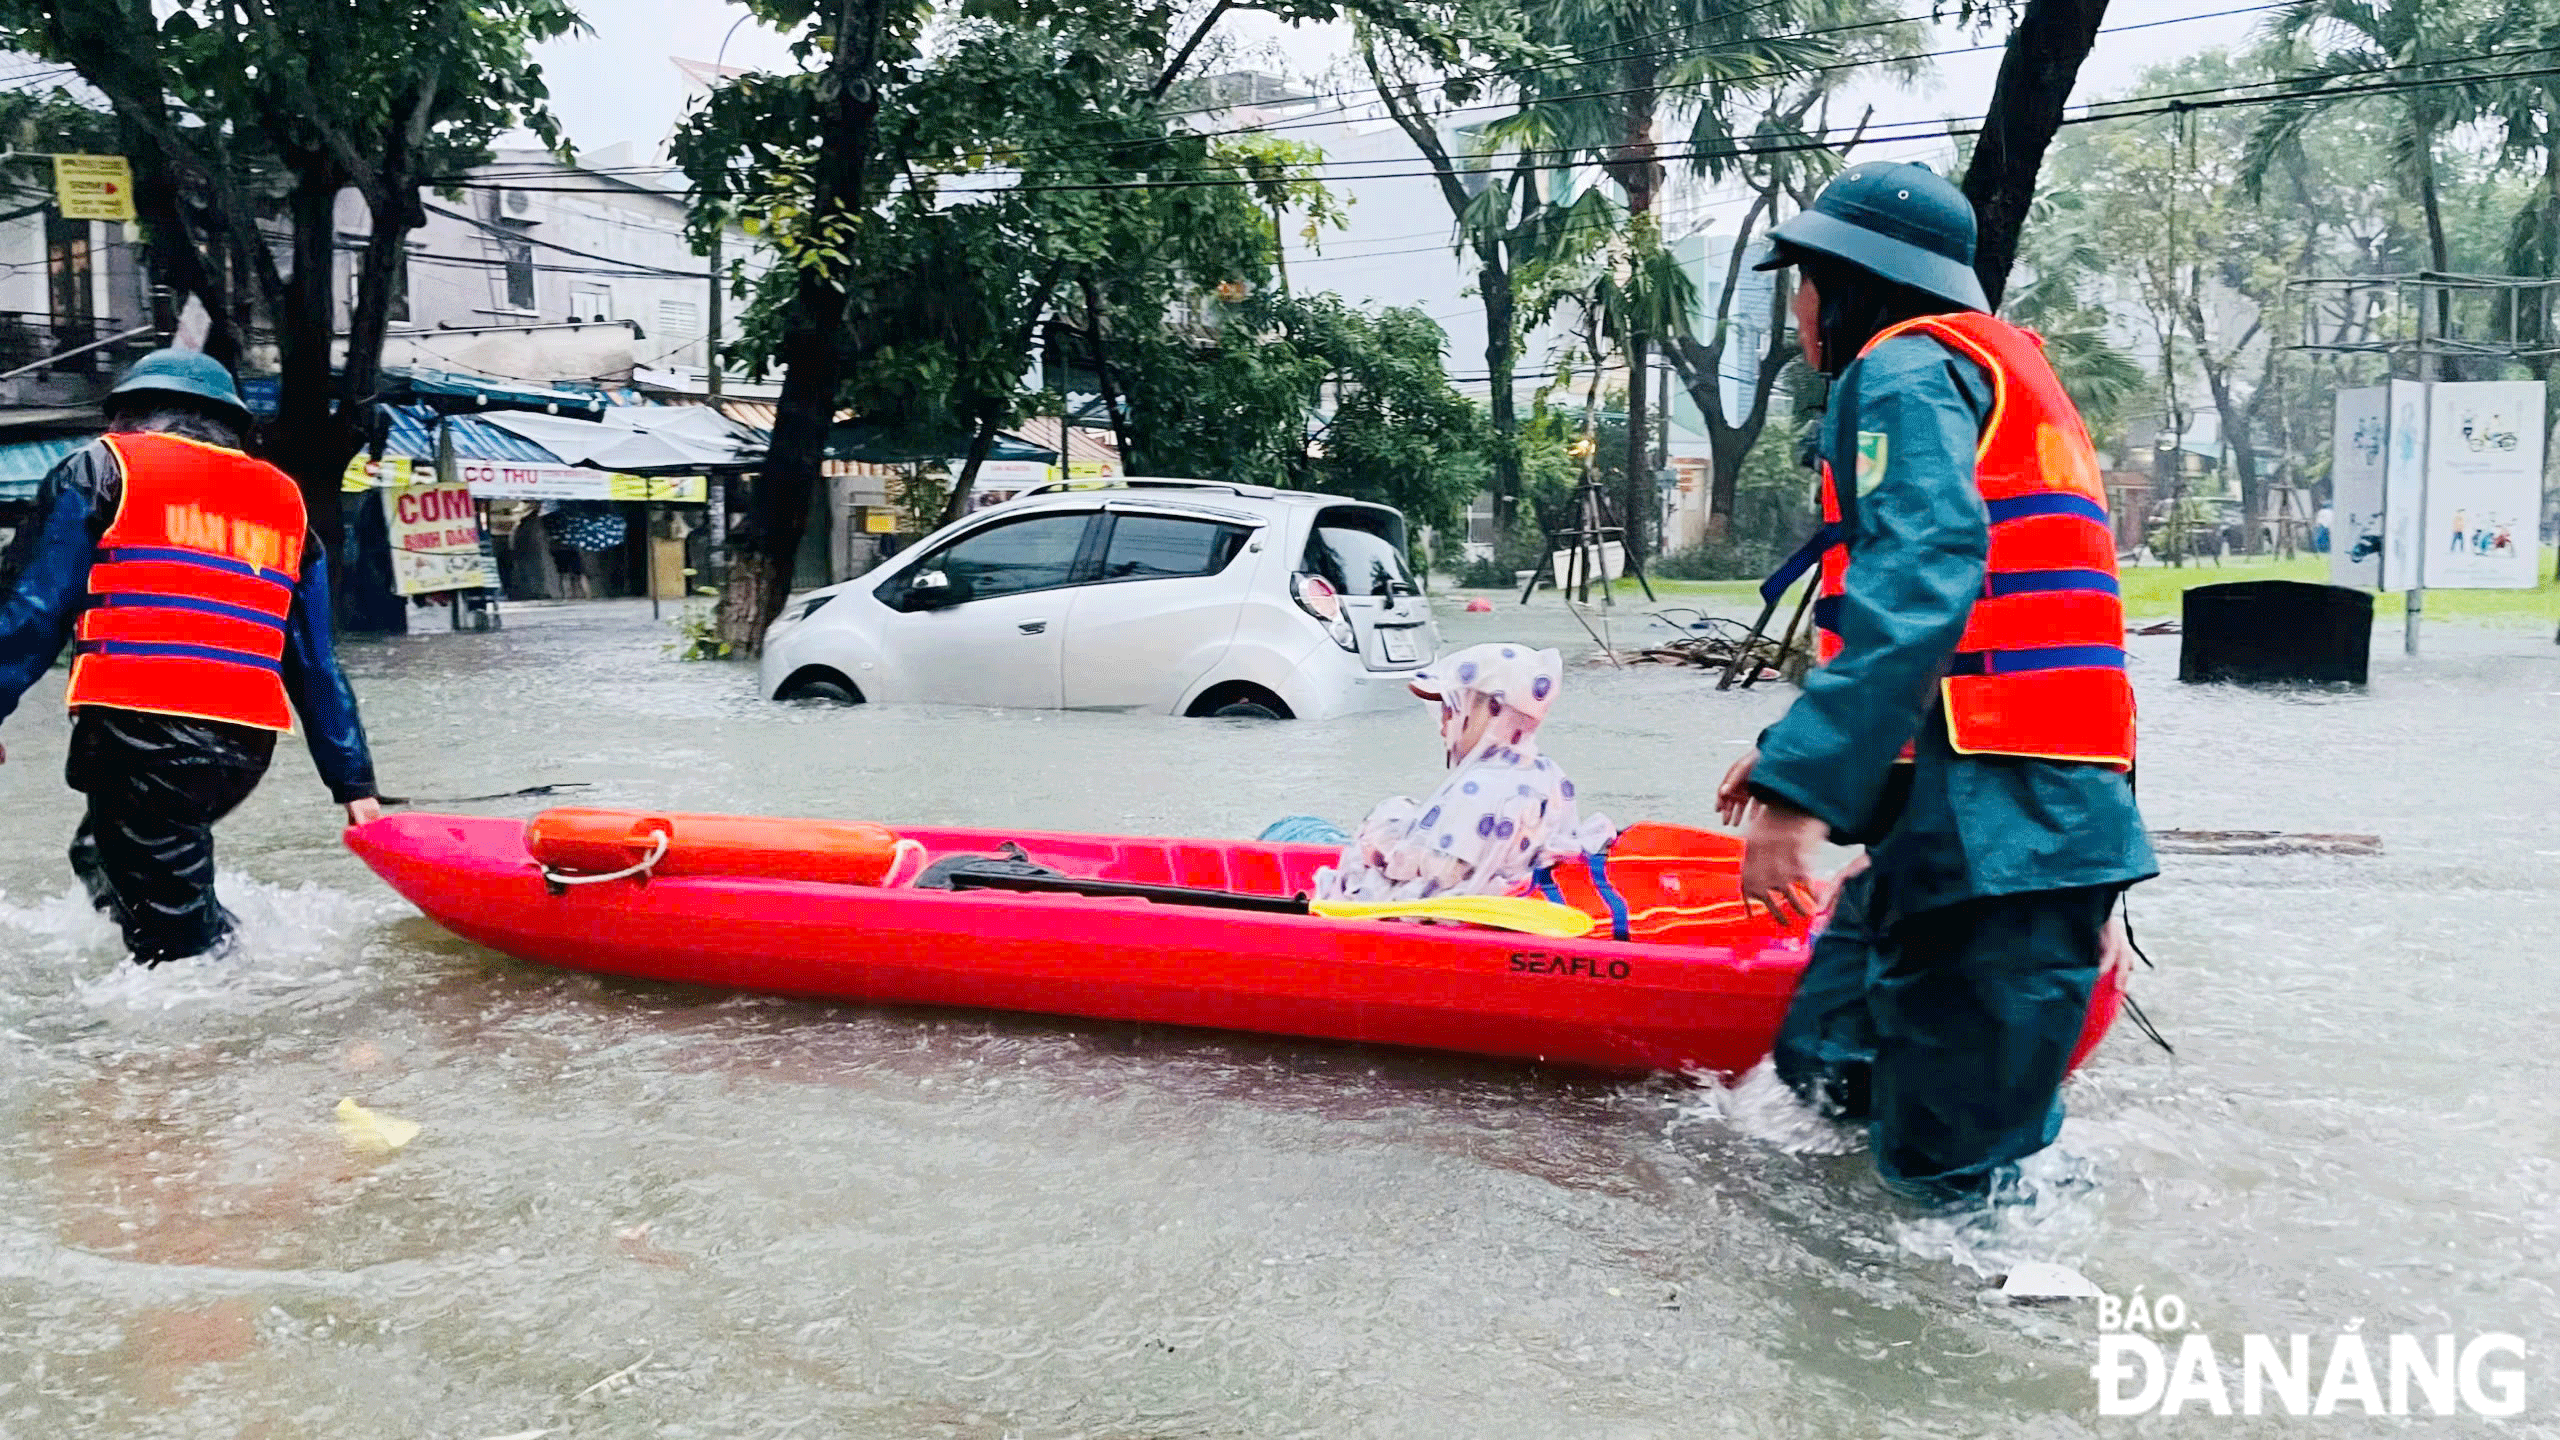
365	1130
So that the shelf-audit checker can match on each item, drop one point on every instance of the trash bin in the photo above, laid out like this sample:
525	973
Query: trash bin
2273	632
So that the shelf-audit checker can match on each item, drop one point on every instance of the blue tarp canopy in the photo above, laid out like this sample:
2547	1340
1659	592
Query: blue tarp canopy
447	390
473	439
23	463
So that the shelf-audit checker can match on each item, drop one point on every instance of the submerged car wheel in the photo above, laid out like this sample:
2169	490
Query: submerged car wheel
1244	710
825	686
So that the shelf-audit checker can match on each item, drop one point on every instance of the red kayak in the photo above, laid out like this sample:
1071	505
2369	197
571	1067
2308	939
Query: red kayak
1712	1002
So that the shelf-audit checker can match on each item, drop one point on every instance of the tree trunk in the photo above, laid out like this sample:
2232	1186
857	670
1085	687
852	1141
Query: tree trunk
2439	250
2043	60
1501	359
2540	365
956	504
1636	171
1102	379
966	481
1639	501
811	349
311	441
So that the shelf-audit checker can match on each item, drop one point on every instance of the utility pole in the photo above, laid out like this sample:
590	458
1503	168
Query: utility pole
2426	429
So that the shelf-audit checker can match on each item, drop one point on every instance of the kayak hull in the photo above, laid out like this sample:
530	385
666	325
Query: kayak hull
1589	1002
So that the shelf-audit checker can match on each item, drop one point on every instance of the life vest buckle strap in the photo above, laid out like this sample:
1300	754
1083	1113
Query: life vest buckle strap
175	555
2046	582
155	650
2049	657
135	600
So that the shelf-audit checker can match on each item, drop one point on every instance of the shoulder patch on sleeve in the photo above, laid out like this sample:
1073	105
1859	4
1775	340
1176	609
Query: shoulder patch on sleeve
1873	452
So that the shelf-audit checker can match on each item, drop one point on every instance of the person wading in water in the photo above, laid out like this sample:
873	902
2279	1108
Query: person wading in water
1971	723
185	576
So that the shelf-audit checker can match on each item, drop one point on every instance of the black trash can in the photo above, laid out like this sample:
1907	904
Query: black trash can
2275	632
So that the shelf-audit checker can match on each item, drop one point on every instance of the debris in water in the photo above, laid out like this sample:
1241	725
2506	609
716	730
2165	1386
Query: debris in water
365	1130
2044	1280
2262	842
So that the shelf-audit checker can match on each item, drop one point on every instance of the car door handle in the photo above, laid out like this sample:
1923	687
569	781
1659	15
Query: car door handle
1033	627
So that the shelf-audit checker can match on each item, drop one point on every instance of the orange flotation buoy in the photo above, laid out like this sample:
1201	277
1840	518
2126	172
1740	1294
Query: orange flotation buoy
577	842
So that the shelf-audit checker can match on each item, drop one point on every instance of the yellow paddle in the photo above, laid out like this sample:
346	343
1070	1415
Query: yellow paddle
1498	912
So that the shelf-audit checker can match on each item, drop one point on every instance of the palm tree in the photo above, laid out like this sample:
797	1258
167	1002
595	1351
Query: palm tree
2354	42
1642	62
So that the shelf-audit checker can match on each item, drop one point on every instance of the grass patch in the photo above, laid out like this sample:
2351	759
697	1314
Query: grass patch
2152	592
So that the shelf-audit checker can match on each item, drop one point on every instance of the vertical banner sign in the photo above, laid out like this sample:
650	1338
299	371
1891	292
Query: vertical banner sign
2484	486
2403	478
93	187
2356	450
435	540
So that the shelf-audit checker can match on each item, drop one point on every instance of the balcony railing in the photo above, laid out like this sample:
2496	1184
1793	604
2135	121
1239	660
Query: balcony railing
29	343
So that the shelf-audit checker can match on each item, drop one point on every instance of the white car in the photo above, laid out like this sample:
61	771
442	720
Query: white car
1181	597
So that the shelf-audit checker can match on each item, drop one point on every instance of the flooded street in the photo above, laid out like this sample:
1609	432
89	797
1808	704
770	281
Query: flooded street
637	1210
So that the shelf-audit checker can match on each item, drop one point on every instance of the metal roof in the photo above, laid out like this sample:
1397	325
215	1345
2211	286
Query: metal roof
24	463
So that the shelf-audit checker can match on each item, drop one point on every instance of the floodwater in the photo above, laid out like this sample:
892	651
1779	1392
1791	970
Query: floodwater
637	1210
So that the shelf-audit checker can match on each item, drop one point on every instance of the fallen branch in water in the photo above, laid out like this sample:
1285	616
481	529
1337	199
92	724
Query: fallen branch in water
2262	842
553	788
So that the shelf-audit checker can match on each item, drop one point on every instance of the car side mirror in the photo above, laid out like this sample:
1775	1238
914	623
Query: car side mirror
931	590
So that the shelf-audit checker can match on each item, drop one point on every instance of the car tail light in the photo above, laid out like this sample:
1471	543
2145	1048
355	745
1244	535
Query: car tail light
1317	597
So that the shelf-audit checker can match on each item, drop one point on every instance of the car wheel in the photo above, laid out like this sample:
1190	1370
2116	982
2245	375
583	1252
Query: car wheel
1244	710
824	688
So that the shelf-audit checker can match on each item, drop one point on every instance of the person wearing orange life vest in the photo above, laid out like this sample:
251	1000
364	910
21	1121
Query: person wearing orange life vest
1971	722
184	574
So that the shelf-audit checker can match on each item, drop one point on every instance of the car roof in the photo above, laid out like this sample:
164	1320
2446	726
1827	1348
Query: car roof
1175	489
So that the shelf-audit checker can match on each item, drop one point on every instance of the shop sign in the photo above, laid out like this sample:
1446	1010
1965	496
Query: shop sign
391	470
93	187
435	540
503	480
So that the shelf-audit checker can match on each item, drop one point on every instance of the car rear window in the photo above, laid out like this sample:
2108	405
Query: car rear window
1357	559
1156	547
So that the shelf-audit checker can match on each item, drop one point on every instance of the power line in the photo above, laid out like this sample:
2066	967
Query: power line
1953	127
1306	122
1930	126
522	237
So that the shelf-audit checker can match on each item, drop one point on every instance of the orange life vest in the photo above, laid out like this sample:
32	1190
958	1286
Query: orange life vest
2039	671
192	587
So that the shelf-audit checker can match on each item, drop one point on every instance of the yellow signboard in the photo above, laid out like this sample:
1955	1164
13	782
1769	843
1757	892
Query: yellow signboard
93	187
1090	469
876	521
391	470
665	489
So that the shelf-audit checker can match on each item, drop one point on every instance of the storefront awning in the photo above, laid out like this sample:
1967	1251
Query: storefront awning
24	463
655	439
446	390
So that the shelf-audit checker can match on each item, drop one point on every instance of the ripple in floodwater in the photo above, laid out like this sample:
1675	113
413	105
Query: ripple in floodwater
643	1210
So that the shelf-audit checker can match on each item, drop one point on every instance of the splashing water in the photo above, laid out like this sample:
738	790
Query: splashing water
1758	1105
290	938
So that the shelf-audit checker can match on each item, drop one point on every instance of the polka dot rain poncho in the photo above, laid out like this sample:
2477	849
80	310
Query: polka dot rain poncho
1505	809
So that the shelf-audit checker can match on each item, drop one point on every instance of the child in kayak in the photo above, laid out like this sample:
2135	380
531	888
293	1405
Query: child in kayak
1505	810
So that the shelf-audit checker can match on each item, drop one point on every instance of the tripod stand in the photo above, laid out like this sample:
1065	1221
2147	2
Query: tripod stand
1591	527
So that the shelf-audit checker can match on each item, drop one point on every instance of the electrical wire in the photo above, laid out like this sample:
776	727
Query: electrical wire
1308	122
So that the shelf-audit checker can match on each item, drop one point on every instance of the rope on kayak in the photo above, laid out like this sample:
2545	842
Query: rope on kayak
898	862
559	880
2131	1006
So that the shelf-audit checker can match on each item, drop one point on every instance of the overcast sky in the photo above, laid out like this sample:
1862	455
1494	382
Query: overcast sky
618	83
